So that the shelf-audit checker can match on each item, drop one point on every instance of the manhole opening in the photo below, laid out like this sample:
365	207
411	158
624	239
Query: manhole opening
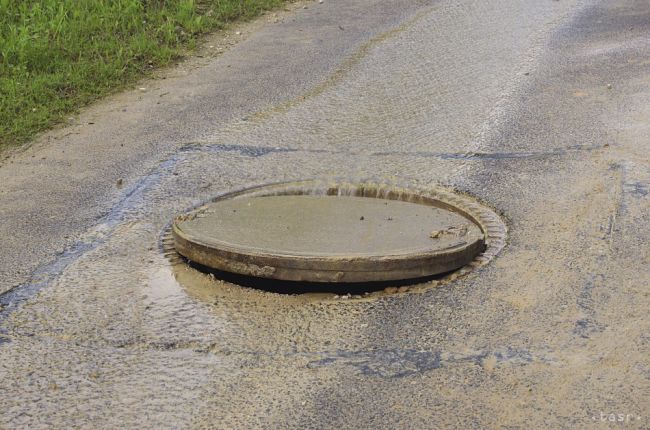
341	238
301	287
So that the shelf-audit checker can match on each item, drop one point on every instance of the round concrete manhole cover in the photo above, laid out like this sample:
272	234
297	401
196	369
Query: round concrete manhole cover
364	234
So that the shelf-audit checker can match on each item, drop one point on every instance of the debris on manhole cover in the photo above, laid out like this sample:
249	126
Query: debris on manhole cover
368	236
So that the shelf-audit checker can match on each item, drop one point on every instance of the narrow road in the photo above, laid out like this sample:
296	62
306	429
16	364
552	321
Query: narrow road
540	109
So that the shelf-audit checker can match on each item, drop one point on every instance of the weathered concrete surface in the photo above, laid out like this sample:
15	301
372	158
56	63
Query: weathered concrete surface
540	108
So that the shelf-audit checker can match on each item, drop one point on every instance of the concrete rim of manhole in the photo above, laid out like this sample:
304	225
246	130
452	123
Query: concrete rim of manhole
334	269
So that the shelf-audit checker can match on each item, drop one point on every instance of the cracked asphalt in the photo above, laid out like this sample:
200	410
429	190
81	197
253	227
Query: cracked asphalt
539	109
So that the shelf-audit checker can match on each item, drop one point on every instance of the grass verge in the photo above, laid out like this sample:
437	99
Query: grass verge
58	55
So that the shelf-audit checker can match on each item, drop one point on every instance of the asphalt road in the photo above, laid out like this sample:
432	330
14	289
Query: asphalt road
540	109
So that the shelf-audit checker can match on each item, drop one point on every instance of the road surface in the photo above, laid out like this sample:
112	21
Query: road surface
539	109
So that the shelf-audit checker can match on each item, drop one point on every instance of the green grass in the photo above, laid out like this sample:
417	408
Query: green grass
58	55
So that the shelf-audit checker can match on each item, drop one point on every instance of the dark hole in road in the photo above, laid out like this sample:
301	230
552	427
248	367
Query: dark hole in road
298	287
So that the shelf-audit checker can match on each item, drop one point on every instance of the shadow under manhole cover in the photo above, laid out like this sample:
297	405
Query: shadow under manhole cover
323	237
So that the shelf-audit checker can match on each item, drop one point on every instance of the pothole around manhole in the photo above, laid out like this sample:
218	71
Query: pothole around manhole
342	238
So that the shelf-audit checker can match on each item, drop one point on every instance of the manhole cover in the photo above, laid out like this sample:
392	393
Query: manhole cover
367	235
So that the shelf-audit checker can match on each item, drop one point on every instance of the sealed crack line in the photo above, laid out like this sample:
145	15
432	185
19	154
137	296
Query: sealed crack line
261	151
44	275
398	363
382	362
